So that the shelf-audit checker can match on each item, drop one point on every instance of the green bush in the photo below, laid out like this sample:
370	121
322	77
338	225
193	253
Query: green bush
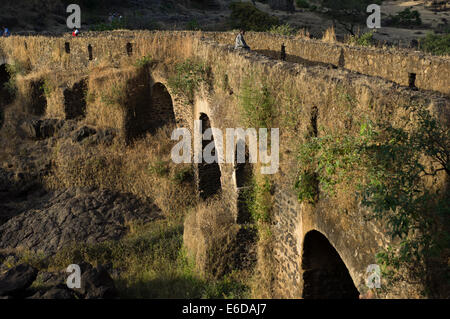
436	44
115	25
306	187
406	18
283	29
257	105
183	175
258	199
143	62
246	16
188	77
365	39
14	69
193	25
302	4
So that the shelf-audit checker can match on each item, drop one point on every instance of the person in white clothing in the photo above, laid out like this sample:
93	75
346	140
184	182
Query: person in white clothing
240	41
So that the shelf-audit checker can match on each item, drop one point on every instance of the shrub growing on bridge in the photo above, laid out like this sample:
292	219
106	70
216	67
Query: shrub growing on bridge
436	44
284	29
257	104
188	77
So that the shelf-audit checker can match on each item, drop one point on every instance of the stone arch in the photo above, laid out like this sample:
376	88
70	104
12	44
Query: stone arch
150	106
209	183
75	100
325	276
243	174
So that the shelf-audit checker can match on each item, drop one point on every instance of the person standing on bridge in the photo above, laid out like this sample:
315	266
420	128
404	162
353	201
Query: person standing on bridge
240	41
75	32
6	32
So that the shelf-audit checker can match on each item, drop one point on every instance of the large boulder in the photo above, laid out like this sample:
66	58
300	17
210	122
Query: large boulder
83	133
75	215
16	280
96	283
57	292
42	129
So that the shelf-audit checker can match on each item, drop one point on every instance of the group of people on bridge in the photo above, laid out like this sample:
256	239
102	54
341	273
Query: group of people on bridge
239	43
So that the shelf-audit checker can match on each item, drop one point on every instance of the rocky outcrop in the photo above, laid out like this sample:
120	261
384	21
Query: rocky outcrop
96	283
41	129
76	215
83	133
16	280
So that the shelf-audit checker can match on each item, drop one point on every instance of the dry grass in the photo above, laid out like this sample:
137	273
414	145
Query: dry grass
207	232
303	34
107	89
329	35
261	282
145	170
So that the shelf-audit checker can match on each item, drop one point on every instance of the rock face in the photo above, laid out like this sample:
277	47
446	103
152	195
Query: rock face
75	215
41	129
96	283
83	133
16	280
285	5
59	292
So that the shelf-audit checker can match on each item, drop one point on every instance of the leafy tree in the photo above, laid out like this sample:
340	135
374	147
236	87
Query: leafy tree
406	18
349	13
247	16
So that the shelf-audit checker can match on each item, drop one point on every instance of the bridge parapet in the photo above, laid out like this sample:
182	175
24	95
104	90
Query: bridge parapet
396	65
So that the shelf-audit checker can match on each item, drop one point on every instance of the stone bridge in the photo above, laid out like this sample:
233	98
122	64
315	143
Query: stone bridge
319	250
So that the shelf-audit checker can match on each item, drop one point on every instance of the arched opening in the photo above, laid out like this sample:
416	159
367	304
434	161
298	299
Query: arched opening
149	107
75	100
244	175
162	107
325	275
208	174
